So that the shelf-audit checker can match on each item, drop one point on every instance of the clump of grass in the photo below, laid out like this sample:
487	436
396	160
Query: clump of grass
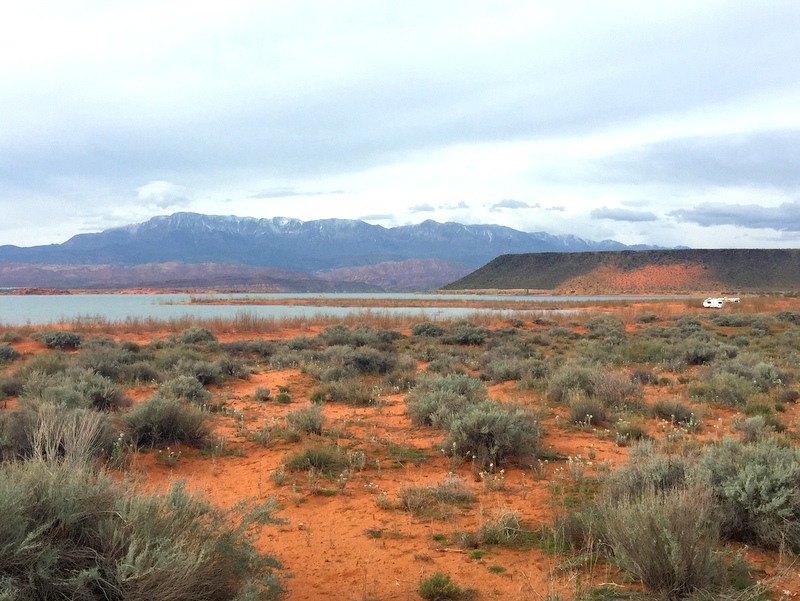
673	411
70	532
667	539
160	420
309	420
8	353
440	587
428	500
325	459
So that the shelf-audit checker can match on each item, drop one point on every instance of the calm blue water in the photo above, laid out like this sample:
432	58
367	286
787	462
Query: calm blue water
21	310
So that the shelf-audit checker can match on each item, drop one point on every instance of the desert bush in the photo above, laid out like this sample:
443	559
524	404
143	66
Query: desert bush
724	388
185	388
435	400
787	395
325	459
205	372
440	587
466	334
103	359
609	328
11	386
667	539
74	387
262	394
586	411
615	389
351	392
629	431
420	500
54	431
762	374
493	433
646	317
284	358
160	420
648	470
58	339
197	335
72	533
246	348
752	428
643	376
758	488
505	529
426	329
505	369
139	372
698	350
232	368
309	419
570	378
370	361
8	353
11	336
673	411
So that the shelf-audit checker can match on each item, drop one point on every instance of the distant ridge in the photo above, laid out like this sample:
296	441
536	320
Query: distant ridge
339	254
641	272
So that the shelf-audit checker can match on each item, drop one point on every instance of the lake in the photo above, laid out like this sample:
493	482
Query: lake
22	310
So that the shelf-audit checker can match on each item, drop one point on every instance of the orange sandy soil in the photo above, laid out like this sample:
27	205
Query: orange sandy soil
324	545
653	279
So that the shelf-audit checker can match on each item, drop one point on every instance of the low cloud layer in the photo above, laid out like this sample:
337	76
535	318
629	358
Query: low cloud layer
618	214
783	218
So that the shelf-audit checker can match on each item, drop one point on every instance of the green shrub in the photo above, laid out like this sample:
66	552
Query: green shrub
159	421
54	431
205	372
197	335
569	378
724	388
72	533
427	500
232	368
436	399
185	388
326	459
427	329
58	339
466	334
8	353
11	337
586	411
440	587
351	392
370	361
309	420
493	433
74	387
139	372
505	369
11	386
673	411
261	394
758	488
667	539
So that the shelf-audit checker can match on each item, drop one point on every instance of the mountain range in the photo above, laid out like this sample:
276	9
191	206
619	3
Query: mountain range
189	249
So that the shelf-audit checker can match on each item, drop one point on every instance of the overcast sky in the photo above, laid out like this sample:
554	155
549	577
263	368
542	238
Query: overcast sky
669	123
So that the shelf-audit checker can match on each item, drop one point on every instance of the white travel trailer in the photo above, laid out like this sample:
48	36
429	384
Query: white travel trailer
714	303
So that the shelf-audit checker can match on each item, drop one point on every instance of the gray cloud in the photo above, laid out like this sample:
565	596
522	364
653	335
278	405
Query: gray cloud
617	214
455	206
377	217
510	203
423	208
785	217
162	194
286	192
764	159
